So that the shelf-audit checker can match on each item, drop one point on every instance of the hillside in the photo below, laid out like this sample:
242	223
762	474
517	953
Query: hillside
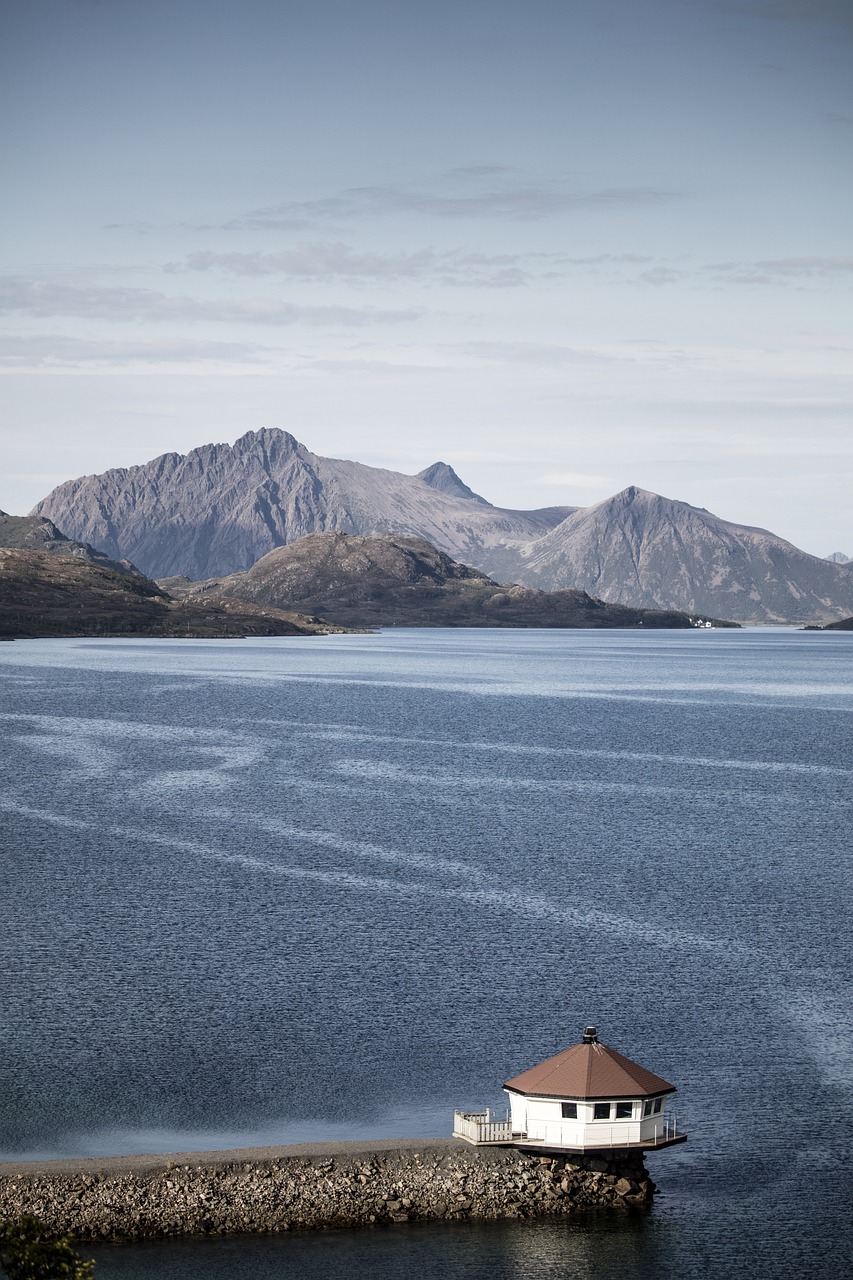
653	552
44	594
37	533
404	581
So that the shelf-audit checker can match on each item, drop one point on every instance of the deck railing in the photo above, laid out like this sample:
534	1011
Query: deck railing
666	1129
478	1126
671	1126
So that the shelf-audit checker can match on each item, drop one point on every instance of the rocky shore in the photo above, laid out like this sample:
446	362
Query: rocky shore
322	1185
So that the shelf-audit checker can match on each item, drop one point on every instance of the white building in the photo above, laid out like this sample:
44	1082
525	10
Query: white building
587	1098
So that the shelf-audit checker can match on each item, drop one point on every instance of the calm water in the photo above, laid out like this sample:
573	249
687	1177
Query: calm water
265	891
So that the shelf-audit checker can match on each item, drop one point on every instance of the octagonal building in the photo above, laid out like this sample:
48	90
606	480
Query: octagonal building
586	1098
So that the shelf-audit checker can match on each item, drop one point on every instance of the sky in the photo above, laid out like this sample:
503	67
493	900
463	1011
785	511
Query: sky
563	246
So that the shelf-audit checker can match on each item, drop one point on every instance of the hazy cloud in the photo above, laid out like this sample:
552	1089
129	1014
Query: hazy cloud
49	350
576	480
535	353
511	203
599	259
661	276
43	298
323	261
780	271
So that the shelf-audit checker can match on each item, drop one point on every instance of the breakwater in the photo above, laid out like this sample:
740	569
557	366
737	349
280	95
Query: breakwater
273	1189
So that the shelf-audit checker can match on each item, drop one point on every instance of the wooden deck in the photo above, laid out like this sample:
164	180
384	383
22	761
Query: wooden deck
478	1128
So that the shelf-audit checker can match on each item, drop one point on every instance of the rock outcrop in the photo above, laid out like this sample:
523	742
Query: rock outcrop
399	581
44	594
282	1189
656	553
37	533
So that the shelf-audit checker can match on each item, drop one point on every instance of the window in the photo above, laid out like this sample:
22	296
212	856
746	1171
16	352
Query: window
601	1111
647	1107
624	1110
658	1104
570	1110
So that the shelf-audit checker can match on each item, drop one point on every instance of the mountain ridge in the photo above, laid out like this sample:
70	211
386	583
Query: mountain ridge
656	552
220	507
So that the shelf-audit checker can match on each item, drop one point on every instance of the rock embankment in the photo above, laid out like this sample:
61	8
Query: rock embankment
328	1185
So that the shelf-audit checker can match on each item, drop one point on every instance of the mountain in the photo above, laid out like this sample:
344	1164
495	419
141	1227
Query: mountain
36	533
404	581
653	552
221	507
442	477
45	594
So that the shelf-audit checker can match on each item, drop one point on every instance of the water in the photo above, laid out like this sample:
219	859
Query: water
280	890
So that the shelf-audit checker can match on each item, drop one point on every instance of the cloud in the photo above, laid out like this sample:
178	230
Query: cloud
812	266
631	259
509	203
49	350
322	261
467	171
369	367
535	353
781	271
661	276
43	299
576	480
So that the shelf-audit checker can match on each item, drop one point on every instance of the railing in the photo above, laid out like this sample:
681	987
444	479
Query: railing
671	1127
478	1126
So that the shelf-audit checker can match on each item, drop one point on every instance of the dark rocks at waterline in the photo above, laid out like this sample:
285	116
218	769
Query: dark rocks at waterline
373	1184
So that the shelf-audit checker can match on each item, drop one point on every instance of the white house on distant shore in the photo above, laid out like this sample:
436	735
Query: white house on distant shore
587	1098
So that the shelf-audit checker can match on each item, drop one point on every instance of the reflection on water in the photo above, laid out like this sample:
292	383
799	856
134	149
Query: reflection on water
291	890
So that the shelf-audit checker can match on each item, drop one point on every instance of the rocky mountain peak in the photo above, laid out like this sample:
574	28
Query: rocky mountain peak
443	478
220	507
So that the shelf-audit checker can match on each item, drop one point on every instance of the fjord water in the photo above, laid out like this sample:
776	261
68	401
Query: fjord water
280	890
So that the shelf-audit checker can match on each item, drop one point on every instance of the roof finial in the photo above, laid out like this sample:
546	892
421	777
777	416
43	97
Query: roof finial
590	1035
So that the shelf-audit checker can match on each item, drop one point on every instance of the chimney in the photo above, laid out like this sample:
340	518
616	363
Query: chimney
590	1035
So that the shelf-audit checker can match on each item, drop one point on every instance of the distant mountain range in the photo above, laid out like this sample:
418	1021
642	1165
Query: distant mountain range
395	580
220	508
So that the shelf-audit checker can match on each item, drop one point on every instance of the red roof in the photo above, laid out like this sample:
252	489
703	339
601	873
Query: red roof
589	1071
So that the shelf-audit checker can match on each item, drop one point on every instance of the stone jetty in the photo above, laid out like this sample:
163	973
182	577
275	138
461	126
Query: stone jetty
311	1186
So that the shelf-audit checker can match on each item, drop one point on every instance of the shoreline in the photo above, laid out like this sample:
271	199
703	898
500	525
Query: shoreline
72	1166
313	1186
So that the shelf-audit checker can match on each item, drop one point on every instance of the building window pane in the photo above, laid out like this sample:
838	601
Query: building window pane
570	1110
647	1107
658	1105
601	1111
624	1110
